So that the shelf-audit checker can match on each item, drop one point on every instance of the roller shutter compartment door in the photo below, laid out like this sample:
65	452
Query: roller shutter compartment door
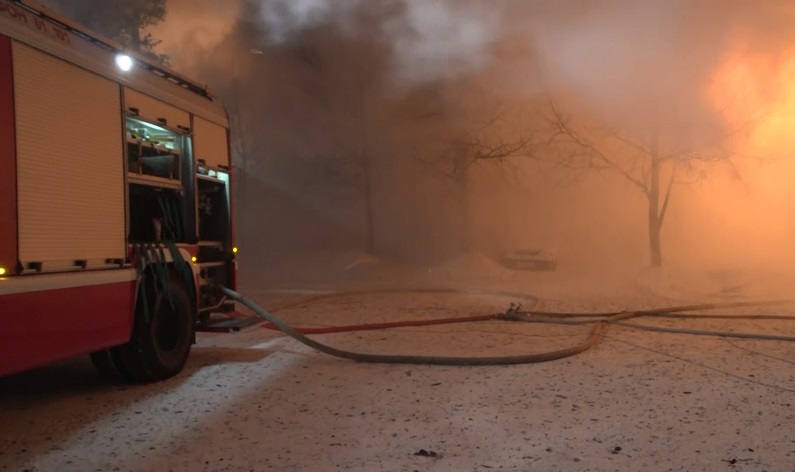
210	143
70	163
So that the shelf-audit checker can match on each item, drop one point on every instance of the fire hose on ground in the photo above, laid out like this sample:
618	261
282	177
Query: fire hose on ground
600	322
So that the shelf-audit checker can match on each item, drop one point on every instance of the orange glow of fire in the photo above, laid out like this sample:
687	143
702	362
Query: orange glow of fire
756	94
750	210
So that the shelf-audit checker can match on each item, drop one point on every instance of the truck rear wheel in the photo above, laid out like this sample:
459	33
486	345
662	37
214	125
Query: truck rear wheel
160	345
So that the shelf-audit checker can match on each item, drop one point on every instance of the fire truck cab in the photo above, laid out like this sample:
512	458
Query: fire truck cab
115	202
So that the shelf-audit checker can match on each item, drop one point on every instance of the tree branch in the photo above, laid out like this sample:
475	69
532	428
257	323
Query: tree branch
561	129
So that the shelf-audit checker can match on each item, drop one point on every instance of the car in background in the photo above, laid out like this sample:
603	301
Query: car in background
529	259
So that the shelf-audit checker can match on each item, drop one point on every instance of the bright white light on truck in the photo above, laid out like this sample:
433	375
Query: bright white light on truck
234	249
193	259
124	62
2	271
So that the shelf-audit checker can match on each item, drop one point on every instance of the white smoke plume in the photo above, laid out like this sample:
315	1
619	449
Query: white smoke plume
430	39
442	39
283	18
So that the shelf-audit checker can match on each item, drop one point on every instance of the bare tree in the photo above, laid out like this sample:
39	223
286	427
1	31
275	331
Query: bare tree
644	162
464	149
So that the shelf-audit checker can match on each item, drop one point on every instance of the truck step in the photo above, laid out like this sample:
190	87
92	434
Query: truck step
231	322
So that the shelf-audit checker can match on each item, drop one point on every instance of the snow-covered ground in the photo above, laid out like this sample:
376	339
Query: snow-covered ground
258	400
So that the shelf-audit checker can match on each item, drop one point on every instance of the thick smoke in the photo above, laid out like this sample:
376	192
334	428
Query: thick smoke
193	29
430	39
283	19
437	39
601	48
651	63
692	69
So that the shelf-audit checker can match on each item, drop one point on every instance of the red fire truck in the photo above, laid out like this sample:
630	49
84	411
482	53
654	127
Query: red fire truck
115	203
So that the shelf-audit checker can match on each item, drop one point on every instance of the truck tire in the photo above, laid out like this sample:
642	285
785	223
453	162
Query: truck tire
160	345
